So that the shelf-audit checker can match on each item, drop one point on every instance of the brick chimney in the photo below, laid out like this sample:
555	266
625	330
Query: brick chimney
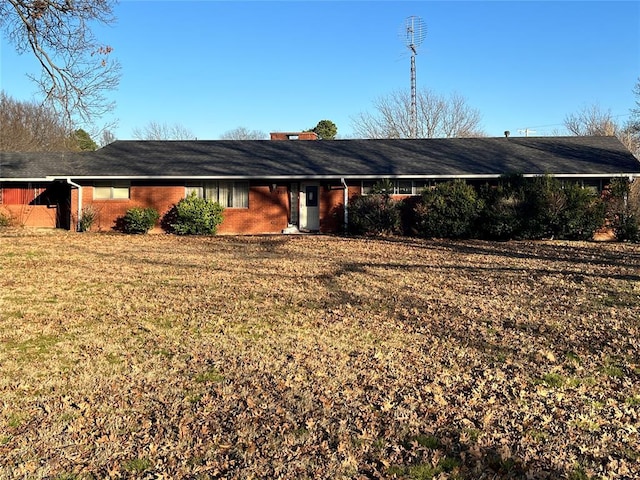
294	136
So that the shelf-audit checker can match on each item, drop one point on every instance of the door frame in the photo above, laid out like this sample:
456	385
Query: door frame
309	216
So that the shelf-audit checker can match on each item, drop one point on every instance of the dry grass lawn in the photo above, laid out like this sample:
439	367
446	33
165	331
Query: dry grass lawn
317	357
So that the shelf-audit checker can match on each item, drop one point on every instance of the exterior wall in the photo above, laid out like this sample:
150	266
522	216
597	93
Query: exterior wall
47	205
30	215
268	212
332	206
29	204
22	194
160	197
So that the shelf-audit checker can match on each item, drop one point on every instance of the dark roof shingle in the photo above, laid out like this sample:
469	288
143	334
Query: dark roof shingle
481	157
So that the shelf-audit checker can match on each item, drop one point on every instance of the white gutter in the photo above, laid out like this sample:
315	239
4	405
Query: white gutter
336	177
345	199
25	179
73	184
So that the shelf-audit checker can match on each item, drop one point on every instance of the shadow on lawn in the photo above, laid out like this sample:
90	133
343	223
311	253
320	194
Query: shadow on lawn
496	461
534	250
455	451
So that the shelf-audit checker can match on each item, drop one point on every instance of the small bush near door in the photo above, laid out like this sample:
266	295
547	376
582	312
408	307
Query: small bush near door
139	220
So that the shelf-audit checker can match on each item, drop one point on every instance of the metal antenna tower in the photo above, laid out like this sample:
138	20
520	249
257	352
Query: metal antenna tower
413	33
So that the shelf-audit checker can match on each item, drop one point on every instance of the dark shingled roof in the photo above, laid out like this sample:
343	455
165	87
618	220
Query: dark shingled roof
470	157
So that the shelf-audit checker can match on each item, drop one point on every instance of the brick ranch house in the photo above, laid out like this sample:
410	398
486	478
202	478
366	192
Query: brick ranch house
269	186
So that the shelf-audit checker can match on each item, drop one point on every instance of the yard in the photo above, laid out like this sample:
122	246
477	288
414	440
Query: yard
317	357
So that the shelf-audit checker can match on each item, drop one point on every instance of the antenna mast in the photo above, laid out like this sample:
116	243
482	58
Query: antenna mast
526	131
414	33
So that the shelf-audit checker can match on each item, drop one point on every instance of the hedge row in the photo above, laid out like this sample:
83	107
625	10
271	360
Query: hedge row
515	208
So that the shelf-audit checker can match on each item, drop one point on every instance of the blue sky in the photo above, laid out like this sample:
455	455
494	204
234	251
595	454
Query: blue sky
212	66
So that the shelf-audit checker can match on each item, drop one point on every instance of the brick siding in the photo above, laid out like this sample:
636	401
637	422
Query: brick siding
268	210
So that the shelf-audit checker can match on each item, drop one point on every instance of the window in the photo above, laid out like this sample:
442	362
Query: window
400	187
594	185
311	196
227	194
108	191
420	185
403	187
367	186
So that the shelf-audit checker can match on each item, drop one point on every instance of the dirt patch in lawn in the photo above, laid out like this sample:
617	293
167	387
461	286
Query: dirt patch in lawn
317	357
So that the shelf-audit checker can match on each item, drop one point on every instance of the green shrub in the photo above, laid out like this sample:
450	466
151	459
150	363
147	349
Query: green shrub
584	213
88	217
450	210
500	217
375	214
623	209
194	216
533	208
542	202
139	220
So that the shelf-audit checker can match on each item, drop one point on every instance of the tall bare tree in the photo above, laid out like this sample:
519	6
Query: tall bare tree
76	69
242	133
31	127
163	131
591	121
437	116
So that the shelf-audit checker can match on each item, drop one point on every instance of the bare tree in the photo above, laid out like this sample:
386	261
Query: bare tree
163	131
438	117
31	127
76	70
594	121
591	121
106	137
242	133
634	122
630	137
630	134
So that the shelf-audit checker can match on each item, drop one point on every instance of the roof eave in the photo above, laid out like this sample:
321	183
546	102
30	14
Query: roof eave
328	177
304	177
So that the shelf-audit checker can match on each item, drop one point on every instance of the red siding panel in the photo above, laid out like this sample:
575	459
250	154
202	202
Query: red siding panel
21	195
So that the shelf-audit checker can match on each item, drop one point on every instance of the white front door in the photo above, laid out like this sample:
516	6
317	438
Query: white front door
309	206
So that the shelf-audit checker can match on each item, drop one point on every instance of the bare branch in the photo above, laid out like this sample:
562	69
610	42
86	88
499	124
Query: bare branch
437	117
76	70
242	133
163	131
590	121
